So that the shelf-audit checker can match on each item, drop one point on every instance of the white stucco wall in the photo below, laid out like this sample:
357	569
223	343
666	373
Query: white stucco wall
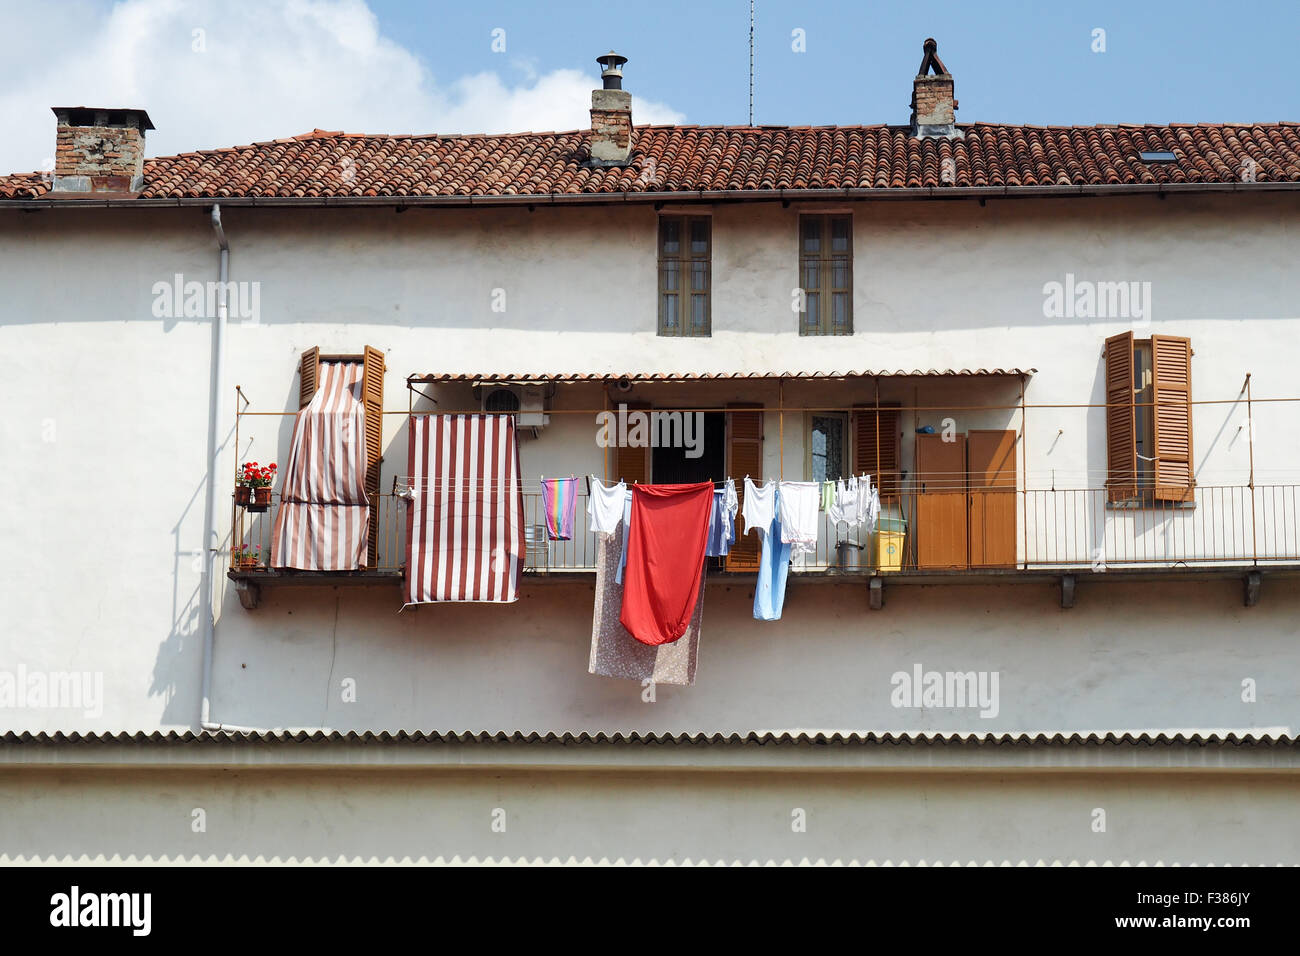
447	817
106	411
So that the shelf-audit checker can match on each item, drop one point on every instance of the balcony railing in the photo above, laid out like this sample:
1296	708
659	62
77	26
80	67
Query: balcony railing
1070	529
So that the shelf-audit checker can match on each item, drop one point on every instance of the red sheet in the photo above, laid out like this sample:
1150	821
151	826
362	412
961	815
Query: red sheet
665	559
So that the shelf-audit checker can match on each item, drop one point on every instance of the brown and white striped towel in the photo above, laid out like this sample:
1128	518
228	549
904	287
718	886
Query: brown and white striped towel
465	525
324	520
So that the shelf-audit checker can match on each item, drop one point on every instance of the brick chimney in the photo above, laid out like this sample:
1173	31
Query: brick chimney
611	115
933	104
99	150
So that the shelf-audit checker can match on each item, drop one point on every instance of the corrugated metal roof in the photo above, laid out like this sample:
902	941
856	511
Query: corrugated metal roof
637	738
561	377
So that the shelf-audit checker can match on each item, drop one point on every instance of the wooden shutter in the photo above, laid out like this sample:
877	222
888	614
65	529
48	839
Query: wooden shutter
632	464
991	468
1121	427
744	457
308	376
875	445
941	532
1171	379
372	396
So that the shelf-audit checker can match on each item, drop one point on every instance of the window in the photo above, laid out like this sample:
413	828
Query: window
1149	419
827	448
685	253
826	274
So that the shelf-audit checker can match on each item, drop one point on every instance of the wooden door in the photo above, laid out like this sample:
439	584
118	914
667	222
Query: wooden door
940	524
991	480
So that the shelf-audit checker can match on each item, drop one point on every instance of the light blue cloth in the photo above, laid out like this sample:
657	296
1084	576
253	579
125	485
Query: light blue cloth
769	592
627	533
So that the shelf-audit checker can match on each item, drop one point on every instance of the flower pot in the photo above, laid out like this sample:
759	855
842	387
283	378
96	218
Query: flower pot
247	562
261	500
243	494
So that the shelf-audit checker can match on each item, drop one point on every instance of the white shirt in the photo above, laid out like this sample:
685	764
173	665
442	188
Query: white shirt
760	505
605	506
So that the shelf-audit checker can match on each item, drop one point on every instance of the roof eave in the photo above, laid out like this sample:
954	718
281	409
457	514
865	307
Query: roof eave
856	194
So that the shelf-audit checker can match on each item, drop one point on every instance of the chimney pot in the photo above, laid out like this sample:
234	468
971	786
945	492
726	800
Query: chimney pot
611	74
934	104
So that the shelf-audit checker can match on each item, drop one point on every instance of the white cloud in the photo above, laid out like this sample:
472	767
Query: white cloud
227	73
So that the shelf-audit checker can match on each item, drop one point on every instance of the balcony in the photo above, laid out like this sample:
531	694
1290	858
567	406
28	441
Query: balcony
922	537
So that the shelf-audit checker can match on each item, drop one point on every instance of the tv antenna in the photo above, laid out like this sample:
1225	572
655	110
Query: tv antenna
751	62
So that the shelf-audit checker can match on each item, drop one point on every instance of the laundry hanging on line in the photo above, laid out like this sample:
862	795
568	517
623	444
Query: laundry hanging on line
762	515
722	521
614	651
465	519
797	504
667	536
560	502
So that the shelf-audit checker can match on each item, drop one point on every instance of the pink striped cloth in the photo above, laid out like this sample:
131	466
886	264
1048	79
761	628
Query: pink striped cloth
465	524
324	520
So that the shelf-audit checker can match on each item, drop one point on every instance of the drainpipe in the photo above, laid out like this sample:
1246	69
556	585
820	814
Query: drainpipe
211	519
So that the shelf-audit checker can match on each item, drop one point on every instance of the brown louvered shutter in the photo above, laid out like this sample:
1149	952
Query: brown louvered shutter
308	376
875	445
632	464
744	457
1171	379
1121	428
372	396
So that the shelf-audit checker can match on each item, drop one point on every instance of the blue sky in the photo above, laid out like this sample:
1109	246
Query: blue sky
217	73
1014	62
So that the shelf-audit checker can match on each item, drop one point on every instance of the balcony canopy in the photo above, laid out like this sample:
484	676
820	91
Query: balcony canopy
511	378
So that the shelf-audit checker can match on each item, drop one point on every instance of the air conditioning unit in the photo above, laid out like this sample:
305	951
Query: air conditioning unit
528	401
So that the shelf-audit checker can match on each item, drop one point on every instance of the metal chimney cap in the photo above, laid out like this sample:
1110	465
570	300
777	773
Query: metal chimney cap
611	71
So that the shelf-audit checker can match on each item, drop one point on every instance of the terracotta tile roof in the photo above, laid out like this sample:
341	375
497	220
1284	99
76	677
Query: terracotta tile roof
708	158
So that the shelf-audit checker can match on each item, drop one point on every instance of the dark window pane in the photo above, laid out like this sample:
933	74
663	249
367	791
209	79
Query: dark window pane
840	235
672	275
700	276
840	310
813	315
840	274
812	274
699	237
699	314
812	235
672	236
670	312
827	448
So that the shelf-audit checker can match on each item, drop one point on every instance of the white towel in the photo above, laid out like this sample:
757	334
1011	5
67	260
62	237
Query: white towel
605	506
799	503
760	505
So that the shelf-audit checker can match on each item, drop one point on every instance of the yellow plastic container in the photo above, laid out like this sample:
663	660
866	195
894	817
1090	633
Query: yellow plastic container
889	550
891	533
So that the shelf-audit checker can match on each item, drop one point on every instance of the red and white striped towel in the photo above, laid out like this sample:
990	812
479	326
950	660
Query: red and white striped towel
324	520
465	524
